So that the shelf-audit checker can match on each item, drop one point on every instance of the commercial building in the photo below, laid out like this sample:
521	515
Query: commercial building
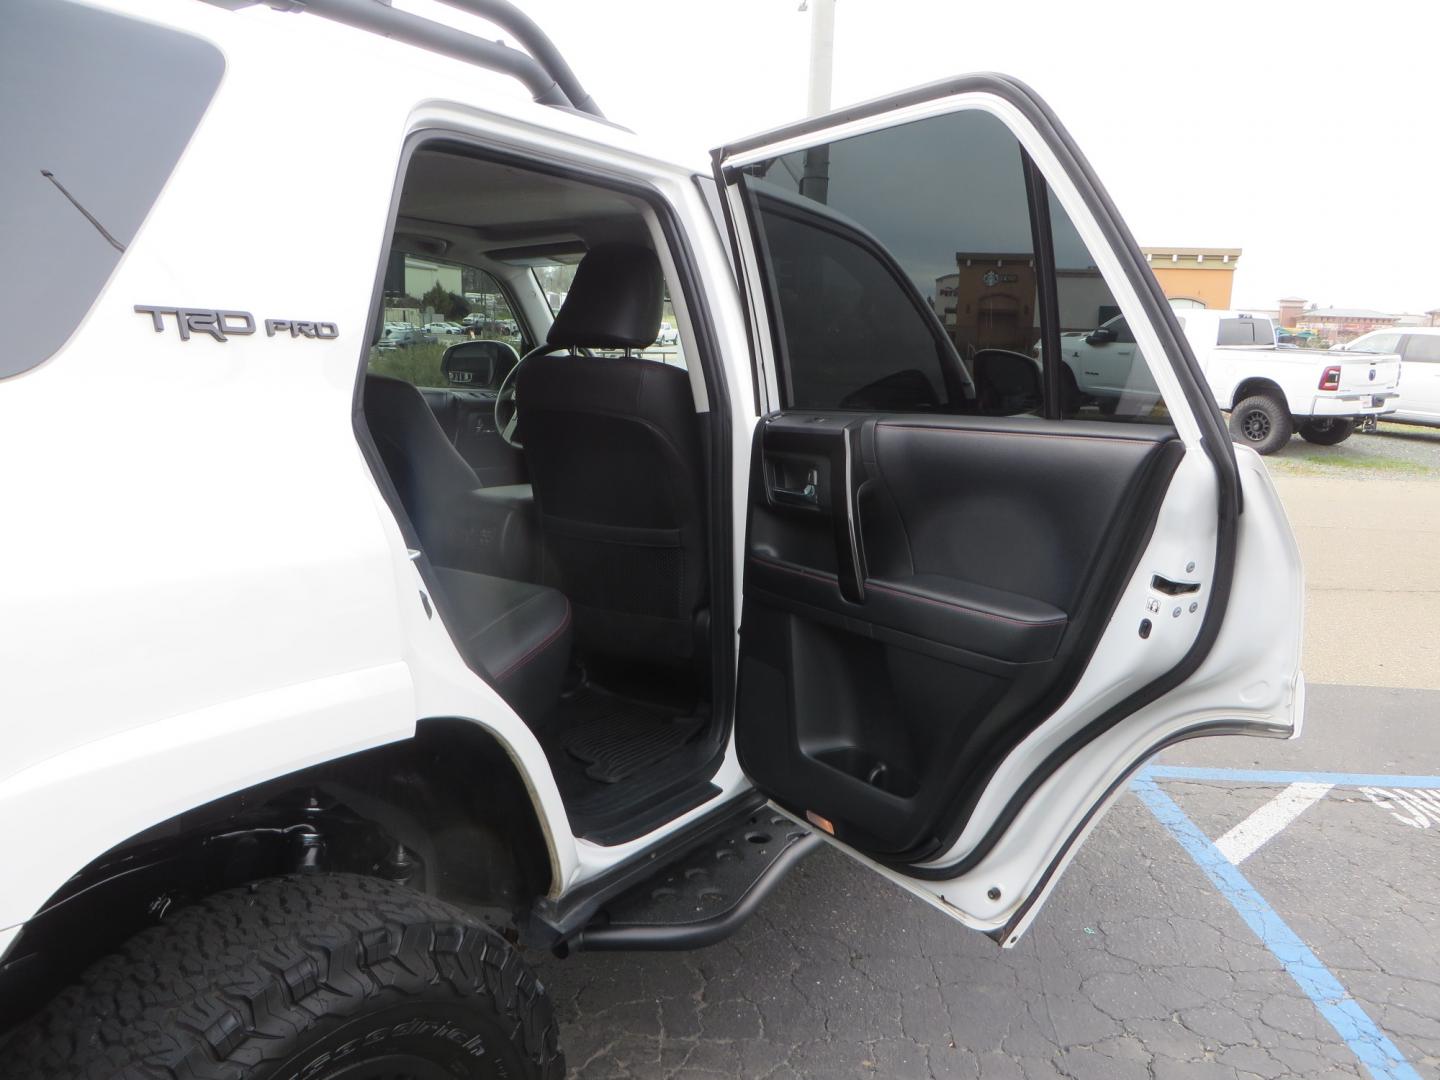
1195	276
1336	324
989	302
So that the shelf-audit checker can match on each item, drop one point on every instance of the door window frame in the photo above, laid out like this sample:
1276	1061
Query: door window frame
679	255
1117	256
1137	294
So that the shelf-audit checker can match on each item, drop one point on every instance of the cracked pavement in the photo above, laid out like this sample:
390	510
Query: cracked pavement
1137	967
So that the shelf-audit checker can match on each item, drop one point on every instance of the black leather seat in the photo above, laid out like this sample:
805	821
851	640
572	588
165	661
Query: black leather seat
428	472
516	633
613	450
460	523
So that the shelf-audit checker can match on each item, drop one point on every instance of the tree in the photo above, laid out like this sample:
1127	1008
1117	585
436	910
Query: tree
436	300
456	307
445	305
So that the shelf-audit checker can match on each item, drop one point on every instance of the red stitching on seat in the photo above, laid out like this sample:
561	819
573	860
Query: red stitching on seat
538	649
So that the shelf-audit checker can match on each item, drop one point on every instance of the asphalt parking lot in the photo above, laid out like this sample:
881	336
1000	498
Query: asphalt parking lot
1249	909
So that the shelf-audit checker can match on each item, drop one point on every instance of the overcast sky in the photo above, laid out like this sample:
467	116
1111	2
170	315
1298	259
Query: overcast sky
1307	134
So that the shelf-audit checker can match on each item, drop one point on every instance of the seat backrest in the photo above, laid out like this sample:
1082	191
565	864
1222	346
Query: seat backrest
425	468
613	450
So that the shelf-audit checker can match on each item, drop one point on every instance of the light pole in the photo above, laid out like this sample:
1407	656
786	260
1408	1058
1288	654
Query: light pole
815	178
822	54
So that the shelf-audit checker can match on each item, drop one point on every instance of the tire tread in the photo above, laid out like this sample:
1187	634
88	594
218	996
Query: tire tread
227	983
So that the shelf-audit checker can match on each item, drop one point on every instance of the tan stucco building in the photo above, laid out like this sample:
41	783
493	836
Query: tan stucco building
1203	276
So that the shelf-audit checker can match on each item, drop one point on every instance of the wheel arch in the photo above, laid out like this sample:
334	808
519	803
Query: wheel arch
1258	386
447	811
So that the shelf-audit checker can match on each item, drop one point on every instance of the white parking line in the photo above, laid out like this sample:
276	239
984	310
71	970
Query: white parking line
1250	835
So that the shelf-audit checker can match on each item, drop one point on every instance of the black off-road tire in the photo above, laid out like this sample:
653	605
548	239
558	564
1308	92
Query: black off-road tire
317	977
1328	432
1261	423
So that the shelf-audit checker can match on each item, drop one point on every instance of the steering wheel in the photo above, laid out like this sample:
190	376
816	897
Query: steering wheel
507	411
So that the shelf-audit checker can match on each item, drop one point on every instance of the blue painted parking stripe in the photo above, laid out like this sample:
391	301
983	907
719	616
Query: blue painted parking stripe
1268	776
1378	1054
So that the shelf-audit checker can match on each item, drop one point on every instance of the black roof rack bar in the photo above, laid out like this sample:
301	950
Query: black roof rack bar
437	37
508	17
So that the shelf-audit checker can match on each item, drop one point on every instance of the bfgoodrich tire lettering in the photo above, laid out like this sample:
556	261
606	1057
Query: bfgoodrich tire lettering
304	978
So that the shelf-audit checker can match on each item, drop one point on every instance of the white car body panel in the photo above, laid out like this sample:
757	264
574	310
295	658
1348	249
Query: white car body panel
1419	397
275	585
1367	387
251	608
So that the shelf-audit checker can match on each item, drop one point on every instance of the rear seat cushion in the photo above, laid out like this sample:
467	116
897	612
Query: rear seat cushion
514	633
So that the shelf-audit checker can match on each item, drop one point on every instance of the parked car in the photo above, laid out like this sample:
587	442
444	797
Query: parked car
308	727
1270	392
1419	390
403	336
668	335
444	328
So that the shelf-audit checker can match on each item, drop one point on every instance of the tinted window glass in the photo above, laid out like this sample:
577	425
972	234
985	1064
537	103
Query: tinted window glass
901	273
1245	332
104	104
1103	373
1423	348
893	257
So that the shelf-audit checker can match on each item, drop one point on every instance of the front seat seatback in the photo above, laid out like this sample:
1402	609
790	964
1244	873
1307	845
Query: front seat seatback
427	471
613	450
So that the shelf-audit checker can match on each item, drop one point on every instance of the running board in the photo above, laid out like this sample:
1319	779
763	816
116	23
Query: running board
706	895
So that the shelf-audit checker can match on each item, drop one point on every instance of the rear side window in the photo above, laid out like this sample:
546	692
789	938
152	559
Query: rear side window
1245	332
1379	343
95	110
1423	349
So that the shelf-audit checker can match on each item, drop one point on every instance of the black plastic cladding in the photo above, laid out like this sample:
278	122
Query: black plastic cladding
1214	438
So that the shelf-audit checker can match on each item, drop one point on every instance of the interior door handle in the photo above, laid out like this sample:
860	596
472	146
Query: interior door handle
1173	588
807	494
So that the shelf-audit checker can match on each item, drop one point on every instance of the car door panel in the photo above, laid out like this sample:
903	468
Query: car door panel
980	556
1420	379
961	631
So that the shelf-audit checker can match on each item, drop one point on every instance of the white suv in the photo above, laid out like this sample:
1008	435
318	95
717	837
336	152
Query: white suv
1419	349
355	670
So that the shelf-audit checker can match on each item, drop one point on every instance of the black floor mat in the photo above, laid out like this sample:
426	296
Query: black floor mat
616	737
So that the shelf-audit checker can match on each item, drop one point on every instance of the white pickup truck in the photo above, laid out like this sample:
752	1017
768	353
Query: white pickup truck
1271	391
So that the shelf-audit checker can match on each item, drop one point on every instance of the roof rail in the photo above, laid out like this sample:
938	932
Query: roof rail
543	70
507	16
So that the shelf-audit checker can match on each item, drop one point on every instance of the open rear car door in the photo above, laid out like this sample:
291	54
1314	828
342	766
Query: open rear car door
981	587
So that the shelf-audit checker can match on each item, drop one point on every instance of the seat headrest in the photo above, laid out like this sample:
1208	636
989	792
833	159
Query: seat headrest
614	301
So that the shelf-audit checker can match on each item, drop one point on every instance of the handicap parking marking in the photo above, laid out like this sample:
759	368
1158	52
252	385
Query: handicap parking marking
1416	807
1264	824
1274	776
1381	1057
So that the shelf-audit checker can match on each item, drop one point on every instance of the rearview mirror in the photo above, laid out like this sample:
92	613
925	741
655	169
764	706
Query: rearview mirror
1006	383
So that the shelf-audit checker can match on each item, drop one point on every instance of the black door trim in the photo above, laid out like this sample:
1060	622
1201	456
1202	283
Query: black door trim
1215	440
